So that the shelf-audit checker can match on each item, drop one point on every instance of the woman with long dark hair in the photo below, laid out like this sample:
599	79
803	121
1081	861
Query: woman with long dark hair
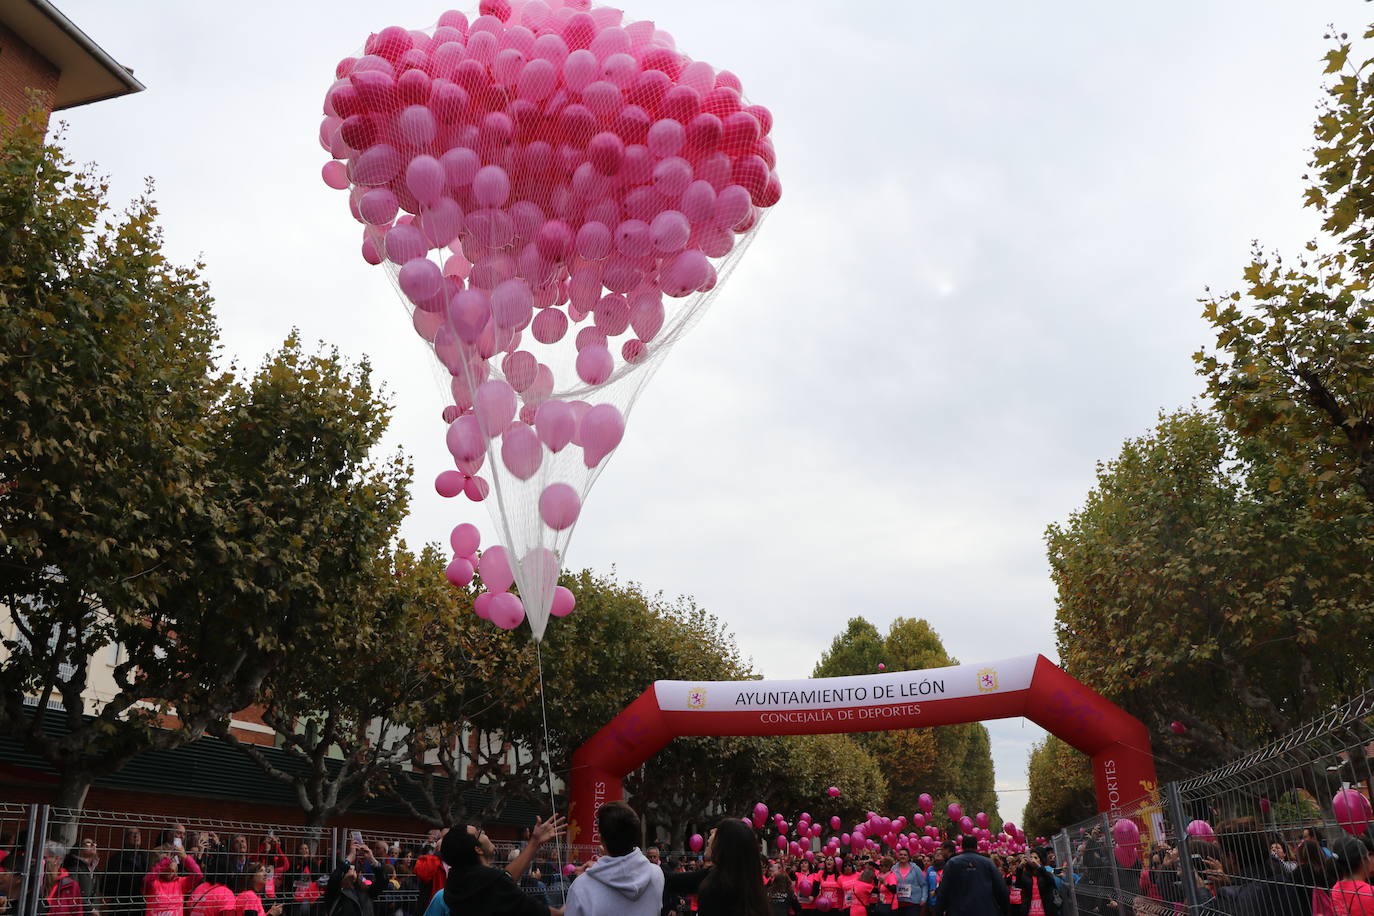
733	883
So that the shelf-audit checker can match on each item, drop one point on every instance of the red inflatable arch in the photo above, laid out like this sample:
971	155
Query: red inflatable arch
1030	686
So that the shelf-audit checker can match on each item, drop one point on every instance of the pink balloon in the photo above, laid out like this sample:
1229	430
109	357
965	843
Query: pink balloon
549	326
760	814
521	451
494	402
955	811
465	440
420	279
685	273
926	802
465	539
555	424
448	484
491	186
335	175
563	602
469	312
1352	810
833	792
695	842
1202	830
780	842
425	178
481	605
559	506
594	364
495	569
981	818
506	611
835	822
601	431
459	571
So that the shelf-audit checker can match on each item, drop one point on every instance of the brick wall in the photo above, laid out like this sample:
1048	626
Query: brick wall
21	69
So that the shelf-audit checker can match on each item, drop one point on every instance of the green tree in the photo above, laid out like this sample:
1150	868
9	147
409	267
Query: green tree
344	726
1190	587
1061	788
1293	362
149	501
952	763
482	688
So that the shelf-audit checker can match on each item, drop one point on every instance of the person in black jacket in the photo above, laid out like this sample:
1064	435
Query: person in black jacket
123	875
346	893
1032	878
475	888
972	885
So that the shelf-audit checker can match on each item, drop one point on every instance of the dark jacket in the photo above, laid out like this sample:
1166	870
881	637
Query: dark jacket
355	901
123	879
1261	890
972	886
1027	878
479	890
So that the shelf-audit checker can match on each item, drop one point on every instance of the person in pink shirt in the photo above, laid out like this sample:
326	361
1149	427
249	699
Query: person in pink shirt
830	893
213	896
165	887
862	891
1352	894
254	885
806	886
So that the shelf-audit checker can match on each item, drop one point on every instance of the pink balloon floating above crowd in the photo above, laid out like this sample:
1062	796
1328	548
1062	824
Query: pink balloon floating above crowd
556	192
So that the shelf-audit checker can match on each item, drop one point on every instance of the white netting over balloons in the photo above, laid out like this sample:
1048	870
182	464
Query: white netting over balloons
557	193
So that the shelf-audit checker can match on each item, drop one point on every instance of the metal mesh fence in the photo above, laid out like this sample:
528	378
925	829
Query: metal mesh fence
1285	830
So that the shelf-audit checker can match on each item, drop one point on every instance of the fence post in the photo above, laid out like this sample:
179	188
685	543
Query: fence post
26	888
1070	879
37	836
1111	857
1174	801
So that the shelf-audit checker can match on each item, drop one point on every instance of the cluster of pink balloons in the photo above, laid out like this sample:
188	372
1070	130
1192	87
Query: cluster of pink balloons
1126	842
543	166
496	602
917	834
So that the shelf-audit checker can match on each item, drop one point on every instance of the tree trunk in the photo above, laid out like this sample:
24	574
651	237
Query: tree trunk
72	787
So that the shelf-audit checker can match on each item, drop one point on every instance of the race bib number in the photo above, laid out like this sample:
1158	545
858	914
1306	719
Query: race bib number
1015	894
904	892
848	898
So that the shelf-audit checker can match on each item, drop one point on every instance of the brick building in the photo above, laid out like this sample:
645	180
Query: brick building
42	50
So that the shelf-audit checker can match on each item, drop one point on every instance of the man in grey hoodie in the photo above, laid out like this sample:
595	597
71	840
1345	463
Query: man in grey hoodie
622	882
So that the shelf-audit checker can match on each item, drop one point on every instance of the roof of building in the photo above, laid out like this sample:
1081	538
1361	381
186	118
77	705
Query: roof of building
87	72
212	769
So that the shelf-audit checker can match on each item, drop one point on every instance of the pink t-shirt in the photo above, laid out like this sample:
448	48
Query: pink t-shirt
212	900
250	902
167	896
1353	898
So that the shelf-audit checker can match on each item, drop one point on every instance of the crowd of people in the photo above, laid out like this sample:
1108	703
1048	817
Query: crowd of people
203	874
1243	870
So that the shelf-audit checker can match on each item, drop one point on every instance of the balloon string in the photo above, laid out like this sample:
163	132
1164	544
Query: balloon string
548	759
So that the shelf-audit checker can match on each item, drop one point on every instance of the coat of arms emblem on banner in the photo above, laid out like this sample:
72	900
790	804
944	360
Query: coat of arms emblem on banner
696	698
987	679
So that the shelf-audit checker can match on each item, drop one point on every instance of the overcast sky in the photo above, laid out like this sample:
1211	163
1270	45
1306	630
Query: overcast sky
982	277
